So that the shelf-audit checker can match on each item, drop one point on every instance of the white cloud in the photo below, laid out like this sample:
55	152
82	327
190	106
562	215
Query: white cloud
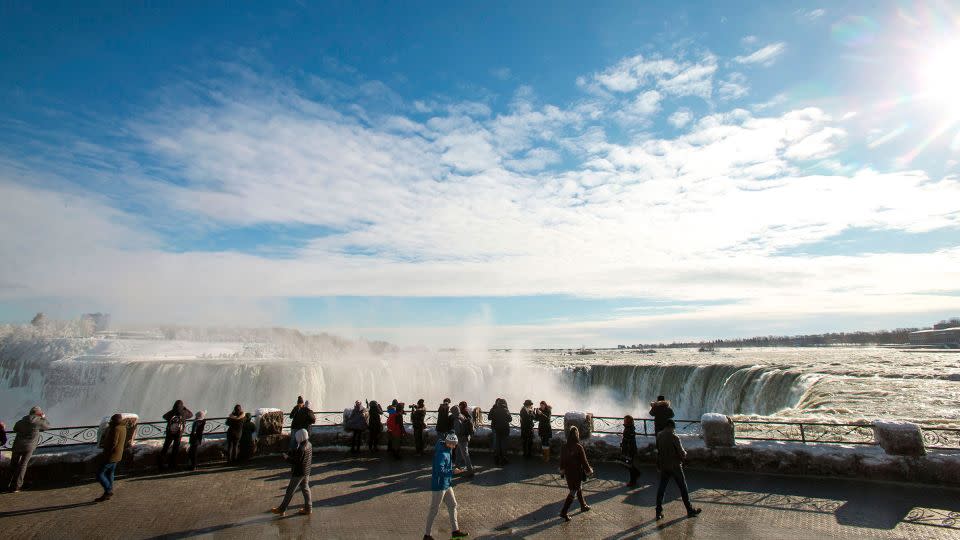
680	118
733	87
676	77
765	56
457	204
809	15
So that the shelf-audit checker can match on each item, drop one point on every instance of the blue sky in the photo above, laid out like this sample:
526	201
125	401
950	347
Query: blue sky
542	174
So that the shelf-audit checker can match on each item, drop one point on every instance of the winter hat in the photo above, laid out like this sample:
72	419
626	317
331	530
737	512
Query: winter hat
527	402
306	404
451	438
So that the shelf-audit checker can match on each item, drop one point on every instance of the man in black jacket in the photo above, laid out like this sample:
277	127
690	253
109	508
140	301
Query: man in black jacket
670	456
443	418
301	461
301	417
526	428
500	420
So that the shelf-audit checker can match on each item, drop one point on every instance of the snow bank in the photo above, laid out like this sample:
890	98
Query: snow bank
899	438
582	420
717	430
269	421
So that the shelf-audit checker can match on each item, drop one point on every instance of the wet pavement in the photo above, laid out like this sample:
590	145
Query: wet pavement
383	498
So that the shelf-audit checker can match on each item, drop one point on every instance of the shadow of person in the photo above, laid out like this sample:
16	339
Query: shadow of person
43	509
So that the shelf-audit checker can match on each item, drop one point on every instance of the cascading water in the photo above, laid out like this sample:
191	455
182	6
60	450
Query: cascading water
696	389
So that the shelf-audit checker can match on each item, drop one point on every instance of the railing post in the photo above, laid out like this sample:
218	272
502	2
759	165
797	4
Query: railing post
803	436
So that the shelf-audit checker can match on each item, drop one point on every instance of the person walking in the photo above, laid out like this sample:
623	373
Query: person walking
176	419
441	487
301	462
527	416
462	425
234	431
196	438
375	425
27	431
628	449
248	444
670	456
661	412
500	420
543	415
419	420
443	418
356	424
301	417
395	428
575	468
113	442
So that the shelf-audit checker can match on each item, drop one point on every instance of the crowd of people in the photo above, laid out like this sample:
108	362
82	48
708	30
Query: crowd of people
455	426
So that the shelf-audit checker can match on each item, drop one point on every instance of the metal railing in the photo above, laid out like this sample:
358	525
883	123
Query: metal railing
939	438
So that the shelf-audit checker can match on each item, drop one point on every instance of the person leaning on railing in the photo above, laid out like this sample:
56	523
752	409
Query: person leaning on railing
27	431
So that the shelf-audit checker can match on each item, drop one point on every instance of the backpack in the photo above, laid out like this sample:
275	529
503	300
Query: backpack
175	425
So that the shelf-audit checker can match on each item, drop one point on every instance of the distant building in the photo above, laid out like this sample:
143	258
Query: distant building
942	336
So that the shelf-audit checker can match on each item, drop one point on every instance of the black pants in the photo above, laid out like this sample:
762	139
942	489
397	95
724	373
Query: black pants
681	482
418	439
192	454
233	448
576	490
373	441
357	441
169	441
527	440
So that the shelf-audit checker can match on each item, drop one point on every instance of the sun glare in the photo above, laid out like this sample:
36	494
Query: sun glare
940	76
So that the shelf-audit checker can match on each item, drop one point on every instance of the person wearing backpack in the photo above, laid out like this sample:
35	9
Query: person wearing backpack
462	422
176	419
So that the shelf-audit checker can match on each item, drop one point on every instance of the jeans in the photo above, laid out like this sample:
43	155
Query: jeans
438	497
463	453
418	439
105	476
168	441
233	448
681	482
18	468
303	483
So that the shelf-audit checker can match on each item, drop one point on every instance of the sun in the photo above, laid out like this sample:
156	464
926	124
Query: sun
939	75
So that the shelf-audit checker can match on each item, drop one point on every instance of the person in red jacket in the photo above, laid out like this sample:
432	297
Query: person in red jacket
395	428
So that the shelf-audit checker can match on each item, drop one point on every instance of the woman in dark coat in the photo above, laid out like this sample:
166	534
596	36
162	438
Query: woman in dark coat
247	443
234	431
419	420
628	449
375	425
176	419
196	437
575	468
543	415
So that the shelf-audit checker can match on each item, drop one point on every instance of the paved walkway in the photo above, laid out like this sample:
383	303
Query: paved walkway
373	498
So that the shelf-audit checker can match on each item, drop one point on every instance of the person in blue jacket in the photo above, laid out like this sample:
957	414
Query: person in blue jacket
440	485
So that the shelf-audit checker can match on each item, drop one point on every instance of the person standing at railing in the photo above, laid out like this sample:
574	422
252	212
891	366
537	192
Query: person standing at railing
396	429
196	438
114	441
27	431
628	448
443	418
670	456
543	415
500	420
419	420
301	461
661	412
302	417
526	428
575	468
234	431
176	419
375	426
3	435
441	486
462	422
356	424
248	444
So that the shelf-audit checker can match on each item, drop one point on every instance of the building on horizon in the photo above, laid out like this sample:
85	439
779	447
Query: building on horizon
937	336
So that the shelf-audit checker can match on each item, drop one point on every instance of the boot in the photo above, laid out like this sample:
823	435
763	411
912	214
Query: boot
566	506
584	507
546	455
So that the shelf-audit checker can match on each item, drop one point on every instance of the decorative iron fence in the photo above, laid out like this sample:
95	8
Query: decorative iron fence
939	438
